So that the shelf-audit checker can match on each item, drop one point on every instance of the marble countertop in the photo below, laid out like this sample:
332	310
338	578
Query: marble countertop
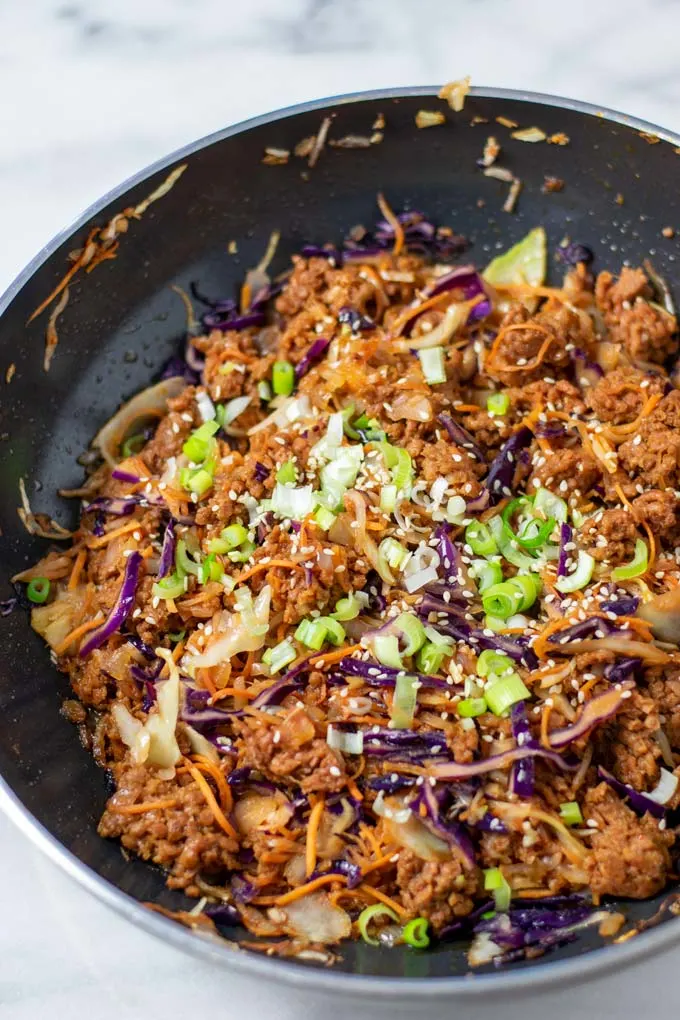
95	89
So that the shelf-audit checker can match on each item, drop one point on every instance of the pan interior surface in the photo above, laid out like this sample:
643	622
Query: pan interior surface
123	322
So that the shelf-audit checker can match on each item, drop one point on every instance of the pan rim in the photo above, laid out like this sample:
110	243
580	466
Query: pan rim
583	968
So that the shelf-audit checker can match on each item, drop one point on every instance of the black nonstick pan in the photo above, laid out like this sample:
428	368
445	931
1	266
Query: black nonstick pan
122	324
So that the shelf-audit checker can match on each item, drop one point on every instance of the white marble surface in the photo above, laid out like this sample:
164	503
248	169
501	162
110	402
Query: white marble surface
91	90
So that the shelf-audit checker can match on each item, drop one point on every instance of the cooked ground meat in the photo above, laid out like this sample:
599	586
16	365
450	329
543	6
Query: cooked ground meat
610	536
630	855
182	837
313	765
646	332
660	510
566	471
629	746
518	359
439	892
618	398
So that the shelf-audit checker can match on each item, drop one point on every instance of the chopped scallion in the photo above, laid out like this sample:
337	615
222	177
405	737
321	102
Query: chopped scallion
433	365
283	378
504	693
637	565
497	403
414	933
369	914
570	813
38	590
496	883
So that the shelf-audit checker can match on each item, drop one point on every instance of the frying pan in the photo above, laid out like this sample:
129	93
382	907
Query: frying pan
123	322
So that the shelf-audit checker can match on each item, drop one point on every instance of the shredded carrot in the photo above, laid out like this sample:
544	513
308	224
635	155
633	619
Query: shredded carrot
124	529
545	719
383	898
302	890
399	236
413	310
586	689
248	668
466	408
147	805
328	658
381	861
233	692
77	633
210	800
543	350
210	769
354	790
77	570
540	644
369	837
315	816
65	280
247	574
651	554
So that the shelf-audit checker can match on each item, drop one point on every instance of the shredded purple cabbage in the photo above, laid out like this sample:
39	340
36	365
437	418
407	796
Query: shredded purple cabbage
167	557
223	914
313	354
121	608
565	538
638	801
626	605
502	470
573	253
357	322
524	770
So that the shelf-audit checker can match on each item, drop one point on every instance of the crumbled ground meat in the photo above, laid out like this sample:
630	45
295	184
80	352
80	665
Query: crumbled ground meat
661	511
184	839
630	855
610	537
558	396
313	764
646	332
438	891
521	347
652	456
172	431
567	471
618	397
664	688
442	458
628	744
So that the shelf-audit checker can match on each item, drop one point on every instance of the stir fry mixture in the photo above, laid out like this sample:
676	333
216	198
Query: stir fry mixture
375	625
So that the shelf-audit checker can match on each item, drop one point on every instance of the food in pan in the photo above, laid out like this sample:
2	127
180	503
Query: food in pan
373	608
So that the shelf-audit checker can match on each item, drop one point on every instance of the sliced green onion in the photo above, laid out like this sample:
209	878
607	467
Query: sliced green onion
570	813
170	587
414	933
230	537
404	701
335	632
211	569
399	463
283	378
38	590
501	600
279	656
287	473
200	443
486	573
508	547
347	608
551	505
184	562
370	429
513	596
386	649
388	498
491	663
264	391
496	883
324	517
395	554
469	708
498	403
413	632
311	633
581	575
433	365
196	482
177	636
504	693
369	914
478	536
243	553
133	444
430	657
637	565
535	533
512	508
